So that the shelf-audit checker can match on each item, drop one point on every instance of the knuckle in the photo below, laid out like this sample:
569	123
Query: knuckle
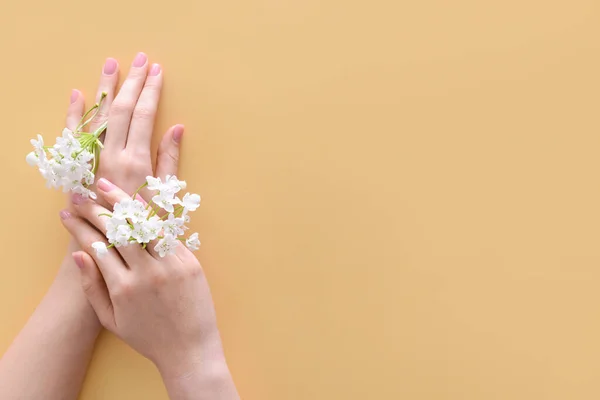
101	116
120	107
169	157
159	278
123	290
152	85
144	112
195	269
136	165
88	286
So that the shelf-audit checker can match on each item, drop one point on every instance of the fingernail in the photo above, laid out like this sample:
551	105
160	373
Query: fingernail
77	199
74	95
140	60
140	199
155	70
78	259
64	214
110	66
105	185
178	133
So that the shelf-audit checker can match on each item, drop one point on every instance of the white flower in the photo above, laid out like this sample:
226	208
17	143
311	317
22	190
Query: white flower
122	235
166	245
165	200
118	231
85	192
190	202
146	229
172	184
153	226
173	225
38	145
153	183
67	144
32	159
193	243
130	209
140	233
100	248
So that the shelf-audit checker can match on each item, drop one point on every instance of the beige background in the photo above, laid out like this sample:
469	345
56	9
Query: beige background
400	199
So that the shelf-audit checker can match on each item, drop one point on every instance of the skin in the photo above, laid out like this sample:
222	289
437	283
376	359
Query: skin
49	357
162	307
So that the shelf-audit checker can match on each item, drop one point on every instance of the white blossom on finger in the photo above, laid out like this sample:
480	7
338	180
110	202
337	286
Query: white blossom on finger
101	249
113	229
153	183
174	185
140	233
174	225
122	235
154	225
166	245
123	209
166	201
138	212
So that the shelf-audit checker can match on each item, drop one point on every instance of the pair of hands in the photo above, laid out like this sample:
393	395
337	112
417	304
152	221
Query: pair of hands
162	307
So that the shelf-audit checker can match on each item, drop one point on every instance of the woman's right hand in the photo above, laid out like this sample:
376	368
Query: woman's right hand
162	307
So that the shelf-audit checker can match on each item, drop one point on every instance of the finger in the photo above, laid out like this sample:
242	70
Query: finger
95	289
75	110
124	103
108	84
167	160
96	215
112	267
144	113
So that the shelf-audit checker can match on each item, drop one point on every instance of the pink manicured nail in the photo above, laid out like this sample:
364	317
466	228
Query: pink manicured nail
110	66
140	60
77	199
64	214
178	133
105	185
78	259
74	95
155	70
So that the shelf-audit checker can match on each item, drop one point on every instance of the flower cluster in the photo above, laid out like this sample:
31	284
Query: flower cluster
133	221
72	162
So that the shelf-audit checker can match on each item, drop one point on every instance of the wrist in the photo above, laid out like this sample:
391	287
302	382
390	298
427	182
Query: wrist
181	361
66	292
208	378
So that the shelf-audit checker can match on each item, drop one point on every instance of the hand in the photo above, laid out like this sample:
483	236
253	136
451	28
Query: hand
126	158
162	307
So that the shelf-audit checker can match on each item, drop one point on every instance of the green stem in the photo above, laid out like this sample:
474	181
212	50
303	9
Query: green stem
100	129
95	108
138	190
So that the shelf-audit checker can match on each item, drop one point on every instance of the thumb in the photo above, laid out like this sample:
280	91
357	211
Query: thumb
167	160
95	289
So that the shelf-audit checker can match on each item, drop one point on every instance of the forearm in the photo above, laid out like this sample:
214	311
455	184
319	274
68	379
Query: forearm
49	357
